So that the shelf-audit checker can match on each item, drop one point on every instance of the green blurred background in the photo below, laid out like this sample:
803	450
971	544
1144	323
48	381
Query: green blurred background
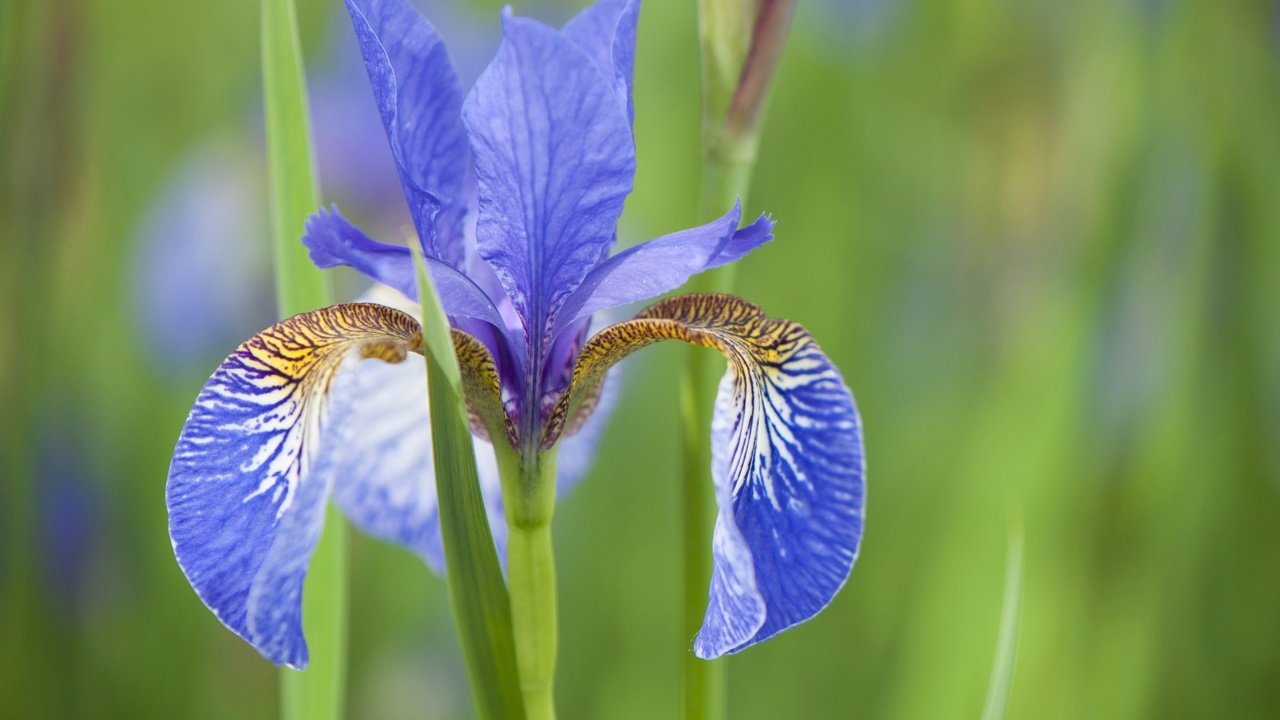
1041	239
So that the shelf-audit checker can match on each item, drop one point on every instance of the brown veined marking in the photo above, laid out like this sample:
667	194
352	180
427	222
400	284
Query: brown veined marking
754	344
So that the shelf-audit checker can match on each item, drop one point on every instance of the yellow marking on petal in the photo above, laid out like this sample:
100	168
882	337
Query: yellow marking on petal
754	344
272	394
306	349
482	389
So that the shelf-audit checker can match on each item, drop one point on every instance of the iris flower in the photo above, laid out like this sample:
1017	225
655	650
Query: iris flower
515	194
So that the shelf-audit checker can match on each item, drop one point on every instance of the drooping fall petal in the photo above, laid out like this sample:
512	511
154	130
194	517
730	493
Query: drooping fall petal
787	462
255	462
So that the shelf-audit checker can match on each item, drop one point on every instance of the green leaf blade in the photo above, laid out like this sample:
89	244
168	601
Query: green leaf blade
477	592
1001	683
318	693
300	286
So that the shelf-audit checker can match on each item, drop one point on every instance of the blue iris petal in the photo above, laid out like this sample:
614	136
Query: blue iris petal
788	467
246	500
420	102
554	162
606	32
655	267
388	486
548	128
334	241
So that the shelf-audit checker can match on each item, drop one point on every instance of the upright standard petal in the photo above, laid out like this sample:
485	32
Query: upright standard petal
554	162
663	264
788	462
255	461
420	102
606	32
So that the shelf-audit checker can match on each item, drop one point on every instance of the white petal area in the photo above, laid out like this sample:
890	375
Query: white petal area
385	480
255	461
735	609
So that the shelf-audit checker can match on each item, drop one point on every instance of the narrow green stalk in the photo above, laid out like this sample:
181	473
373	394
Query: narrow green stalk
300	286
477	593
740	43
316	694
727	163
1001	683
529	494
726	176
703	690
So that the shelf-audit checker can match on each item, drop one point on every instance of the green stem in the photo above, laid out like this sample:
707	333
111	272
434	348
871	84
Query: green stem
1001	682
529	495
704	684
727	161
477	592
300	286
728	156
318	693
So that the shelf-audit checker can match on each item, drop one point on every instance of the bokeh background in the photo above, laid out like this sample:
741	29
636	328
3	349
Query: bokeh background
1041	239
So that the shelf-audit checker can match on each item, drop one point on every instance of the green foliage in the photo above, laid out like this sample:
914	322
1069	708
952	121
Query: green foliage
477	593
299	285
318	693
1001	683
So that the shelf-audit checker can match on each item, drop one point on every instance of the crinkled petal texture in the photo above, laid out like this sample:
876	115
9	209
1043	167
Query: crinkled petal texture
554	161
420	101
606	32
787	462
256	459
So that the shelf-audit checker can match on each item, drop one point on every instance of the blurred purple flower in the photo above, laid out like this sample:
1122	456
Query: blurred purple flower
201	265
68	512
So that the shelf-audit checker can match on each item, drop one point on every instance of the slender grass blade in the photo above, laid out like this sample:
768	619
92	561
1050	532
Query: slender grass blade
477	592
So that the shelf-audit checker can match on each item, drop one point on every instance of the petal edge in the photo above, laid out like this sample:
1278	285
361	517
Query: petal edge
253	466
787	461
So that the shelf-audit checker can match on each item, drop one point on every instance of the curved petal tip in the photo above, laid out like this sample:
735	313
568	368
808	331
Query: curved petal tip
255	462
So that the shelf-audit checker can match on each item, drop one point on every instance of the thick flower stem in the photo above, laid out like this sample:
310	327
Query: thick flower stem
529	495
727	162
314	694
533	615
